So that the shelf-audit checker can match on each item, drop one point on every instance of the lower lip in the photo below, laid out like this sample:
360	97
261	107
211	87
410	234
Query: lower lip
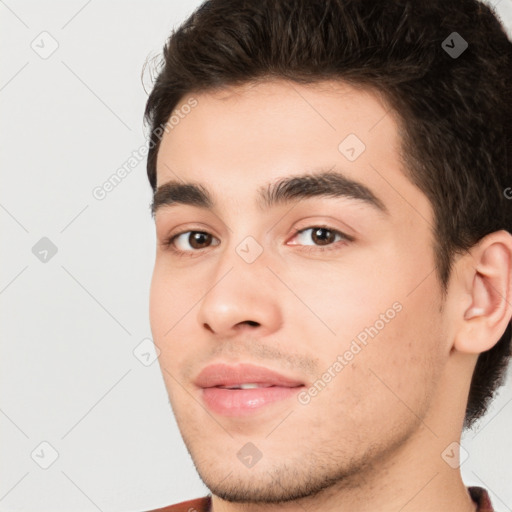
242	402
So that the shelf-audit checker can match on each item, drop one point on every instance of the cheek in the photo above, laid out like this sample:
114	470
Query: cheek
377	384
165	310
346	295
366	287
174	300
386	349
158	304
167	305
171	297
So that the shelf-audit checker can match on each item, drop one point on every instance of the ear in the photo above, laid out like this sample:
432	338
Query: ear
484	288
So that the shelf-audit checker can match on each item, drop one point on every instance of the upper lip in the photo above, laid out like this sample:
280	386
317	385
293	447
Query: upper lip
225	375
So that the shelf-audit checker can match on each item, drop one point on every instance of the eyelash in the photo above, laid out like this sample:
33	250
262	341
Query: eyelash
168	243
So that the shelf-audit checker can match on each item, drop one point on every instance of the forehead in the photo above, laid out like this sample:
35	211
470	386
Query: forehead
237	139
276	119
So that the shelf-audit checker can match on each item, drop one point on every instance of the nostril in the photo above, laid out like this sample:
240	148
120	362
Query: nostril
208	327
251	322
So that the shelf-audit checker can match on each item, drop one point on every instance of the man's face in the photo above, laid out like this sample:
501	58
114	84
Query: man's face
362	292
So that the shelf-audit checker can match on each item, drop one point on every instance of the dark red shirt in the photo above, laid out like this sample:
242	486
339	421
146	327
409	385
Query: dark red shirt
478	494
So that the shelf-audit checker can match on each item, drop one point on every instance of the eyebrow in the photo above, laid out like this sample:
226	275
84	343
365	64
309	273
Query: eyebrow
288	189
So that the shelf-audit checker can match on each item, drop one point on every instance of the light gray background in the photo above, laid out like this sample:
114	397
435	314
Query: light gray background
70	325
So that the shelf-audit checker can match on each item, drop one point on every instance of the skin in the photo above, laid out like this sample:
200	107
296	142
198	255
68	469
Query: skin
372	439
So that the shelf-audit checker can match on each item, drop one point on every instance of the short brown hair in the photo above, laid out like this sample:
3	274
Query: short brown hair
454	111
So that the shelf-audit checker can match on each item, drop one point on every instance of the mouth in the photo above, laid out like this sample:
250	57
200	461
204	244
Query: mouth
247	386
242	375
244	389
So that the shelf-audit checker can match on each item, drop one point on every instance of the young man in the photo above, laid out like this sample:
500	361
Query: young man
332	287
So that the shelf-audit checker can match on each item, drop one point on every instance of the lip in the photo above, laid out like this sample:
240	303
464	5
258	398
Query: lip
225	375
243	402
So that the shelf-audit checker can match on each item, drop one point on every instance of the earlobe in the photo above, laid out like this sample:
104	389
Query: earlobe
484	321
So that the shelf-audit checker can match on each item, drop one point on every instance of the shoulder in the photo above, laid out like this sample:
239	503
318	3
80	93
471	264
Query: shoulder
481	497
196	505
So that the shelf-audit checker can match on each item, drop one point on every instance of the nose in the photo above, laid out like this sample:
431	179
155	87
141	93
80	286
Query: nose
241	297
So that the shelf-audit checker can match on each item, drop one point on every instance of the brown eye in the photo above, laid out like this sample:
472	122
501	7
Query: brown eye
323	236
190	242
319	235
197	239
